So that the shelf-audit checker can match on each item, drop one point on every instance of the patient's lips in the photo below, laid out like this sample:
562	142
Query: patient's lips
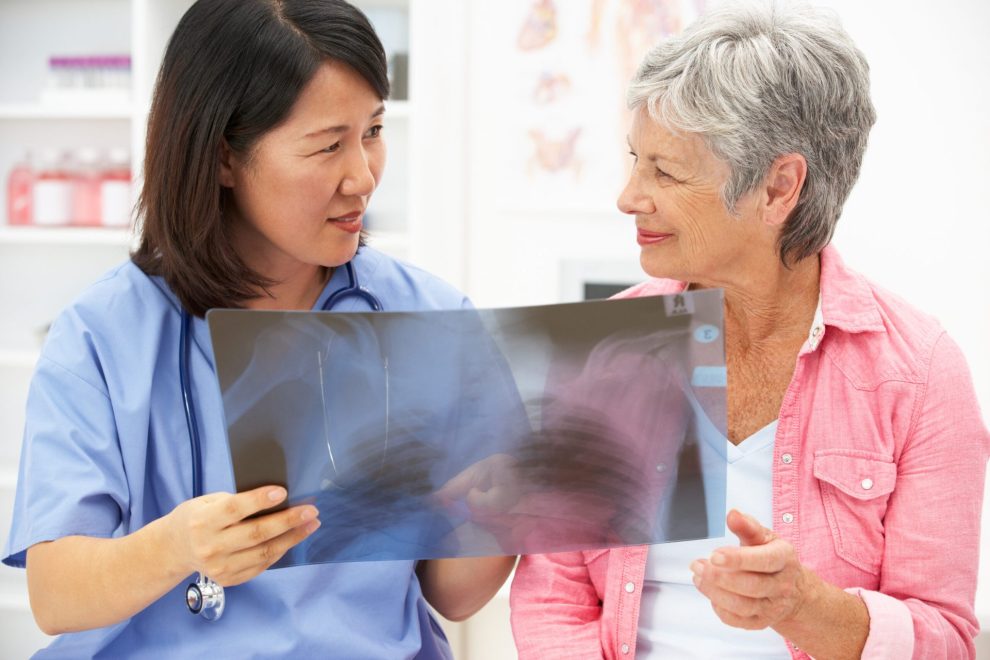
644	237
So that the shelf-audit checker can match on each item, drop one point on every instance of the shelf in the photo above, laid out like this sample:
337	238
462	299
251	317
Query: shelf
29	111
20	359
65	236
398	109
382	4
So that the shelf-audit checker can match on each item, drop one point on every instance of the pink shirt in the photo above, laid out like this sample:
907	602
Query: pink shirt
879	465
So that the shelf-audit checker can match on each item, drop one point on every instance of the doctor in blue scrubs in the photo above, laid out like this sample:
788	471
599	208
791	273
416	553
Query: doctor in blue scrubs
264	147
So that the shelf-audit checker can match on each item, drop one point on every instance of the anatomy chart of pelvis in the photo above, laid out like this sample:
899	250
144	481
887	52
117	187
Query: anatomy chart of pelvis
558	71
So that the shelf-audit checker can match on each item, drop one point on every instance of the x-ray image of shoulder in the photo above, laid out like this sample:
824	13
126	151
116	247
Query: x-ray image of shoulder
473	432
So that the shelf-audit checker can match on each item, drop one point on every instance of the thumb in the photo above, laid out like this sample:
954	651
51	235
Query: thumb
457	488
748	529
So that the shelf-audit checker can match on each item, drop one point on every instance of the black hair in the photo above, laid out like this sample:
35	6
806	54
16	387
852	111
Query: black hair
232	71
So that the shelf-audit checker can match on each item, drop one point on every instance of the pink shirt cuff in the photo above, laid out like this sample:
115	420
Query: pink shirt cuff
891	626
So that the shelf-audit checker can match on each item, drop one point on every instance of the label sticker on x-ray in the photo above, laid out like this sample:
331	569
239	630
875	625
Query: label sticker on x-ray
678	305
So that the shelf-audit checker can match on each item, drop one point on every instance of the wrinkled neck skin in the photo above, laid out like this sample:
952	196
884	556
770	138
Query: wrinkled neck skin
767	305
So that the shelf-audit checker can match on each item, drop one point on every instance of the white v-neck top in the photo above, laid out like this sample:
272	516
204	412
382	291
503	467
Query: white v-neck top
676	620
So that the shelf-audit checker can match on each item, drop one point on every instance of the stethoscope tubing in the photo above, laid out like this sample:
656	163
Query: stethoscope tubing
205	597
187	403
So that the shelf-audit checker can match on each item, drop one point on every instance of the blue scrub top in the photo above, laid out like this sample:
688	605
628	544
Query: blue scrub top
106	451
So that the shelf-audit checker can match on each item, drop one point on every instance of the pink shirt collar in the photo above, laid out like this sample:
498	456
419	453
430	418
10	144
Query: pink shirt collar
848	303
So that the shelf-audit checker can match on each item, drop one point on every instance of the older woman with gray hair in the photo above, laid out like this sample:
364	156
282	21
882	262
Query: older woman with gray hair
855	445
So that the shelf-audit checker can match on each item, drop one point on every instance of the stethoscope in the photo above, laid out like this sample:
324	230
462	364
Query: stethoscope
204	596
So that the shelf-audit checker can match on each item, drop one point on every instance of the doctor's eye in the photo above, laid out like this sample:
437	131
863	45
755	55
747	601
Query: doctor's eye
635	157
331	149
375	131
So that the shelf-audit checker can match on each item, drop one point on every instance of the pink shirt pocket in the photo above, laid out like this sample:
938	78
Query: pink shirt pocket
855	486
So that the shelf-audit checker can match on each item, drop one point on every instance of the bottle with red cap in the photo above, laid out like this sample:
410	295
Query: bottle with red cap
115	189
20	185
86	191
53	187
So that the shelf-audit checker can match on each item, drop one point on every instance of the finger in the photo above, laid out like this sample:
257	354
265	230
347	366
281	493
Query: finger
769	558
235	508
736	621
743	583
249	563
209	498
458	487
741	606
748	529
494	500
250	533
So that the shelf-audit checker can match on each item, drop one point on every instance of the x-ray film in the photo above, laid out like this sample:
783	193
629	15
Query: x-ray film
480	432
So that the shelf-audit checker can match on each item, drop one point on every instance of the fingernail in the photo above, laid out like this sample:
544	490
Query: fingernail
308	514
276	494
697	568
696	580
312	527
718	559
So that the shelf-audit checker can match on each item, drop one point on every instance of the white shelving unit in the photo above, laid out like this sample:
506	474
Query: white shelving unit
79	236
415	215
31	111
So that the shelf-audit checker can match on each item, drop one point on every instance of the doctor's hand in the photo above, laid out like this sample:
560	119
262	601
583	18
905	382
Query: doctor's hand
759	584
210	534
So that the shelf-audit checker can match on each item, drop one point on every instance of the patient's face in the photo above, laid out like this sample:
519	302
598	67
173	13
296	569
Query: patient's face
674	191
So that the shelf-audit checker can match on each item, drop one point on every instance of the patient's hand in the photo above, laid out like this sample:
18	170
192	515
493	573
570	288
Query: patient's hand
489	487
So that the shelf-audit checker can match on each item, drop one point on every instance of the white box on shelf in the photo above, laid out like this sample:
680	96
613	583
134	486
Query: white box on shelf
101	99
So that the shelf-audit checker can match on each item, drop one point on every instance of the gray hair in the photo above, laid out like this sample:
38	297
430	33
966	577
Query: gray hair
759	81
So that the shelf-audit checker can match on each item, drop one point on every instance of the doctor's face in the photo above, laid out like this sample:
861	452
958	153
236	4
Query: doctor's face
300	196
682	226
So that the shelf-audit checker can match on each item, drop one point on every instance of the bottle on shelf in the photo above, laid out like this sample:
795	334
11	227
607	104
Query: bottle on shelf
115	189
52	194
87	79
87	187
20	186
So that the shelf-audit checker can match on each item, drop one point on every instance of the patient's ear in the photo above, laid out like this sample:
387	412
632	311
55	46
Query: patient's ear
783	186
226	161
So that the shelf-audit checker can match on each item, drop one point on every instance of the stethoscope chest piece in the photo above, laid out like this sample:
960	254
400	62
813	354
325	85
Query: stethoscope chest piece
205	597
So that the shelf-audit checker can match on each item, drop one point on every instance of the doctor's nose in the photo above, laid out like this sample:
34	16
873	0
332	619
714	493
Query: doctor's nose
361	176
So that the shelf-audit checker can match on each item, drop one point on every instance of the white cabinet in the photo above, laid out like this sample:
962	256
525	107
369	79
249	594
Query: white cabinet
416	214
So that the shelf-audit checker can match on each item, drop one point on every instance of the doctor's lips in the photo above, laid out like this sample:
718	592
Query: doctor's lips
644	237
351	223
